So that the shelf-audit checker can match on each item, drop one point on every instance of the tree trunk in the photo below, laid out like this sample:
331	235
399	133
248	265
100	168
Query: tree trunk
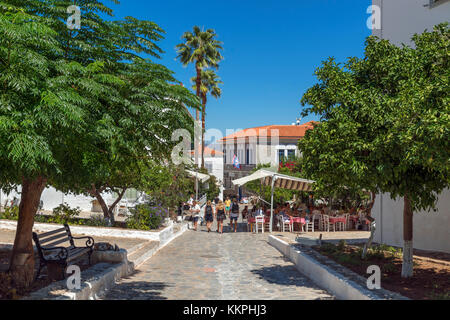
198	84
111	208
407	267
108	212
22	259
203	128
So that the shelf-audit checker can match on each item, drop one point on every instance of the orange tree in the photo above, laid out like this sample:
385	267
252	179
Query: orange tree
385	125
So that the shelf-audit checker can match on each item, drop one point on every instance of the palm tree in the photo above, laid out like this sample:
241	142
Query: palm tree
209	84
200	47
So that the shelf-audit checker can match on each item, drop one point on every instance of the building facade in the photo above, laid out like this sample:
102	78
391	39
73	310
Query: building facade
400	20
259	146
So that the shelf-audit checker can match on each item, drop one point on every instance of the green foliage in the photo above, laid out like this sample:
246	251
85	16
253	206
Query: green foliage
146	217
64	214
10	213
385	121
200	47
341	246
167	185
213	188
81	108
97	221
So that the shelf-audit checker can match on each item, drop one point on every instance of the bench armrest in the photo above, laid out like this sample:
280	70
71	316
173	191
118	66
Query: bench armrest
89	241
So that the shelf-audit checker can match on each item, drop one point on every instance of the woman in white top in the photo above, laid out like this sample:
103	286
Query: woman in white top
196	214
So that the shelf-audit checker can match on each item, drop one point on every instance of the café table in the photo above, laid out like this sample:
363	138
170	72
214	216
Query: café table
334	220
252	220
299	220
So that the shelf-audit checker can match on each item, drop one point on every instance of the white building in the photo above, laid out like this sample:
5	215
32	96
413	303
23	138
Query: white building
214	164
261	145
400	20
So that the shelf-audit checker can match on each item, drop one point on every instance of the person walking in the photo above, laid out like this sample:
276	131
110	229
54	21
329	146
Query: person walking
195	210
234	216
227	205
209	218
221	216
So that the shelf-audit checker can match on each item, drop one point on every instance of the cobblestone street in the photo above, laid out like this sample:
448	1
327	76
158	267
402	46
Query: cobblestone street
210	266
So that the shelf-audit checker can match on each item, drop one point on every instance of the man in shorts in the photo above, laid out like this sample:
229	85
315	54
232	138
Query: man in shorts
234	215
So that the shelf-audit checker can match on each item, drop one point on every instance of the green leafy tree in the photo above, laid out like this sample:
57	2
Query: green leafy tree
167	184
41	115
385	125
201	48
77	107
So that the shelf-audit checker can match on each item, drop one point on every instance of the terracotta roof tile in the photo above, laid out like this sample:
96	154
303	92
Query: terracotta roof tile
284	131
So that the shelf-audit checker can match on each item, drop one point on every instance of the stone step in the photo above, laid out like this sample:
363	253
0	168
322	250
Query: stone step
136	248
141	255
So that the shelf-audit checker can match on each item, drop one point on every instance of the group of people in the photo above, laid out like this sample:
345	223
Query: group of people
218	210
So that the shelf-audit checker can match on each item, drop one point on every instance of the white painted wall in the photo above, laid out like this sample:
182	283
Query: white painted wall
431	229
400	20
53	198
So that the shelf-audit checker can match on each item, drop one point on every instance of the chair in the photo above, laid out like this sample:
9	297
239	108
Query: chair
347	221
259	220
286	222
340	225
309	226
316	219
326	225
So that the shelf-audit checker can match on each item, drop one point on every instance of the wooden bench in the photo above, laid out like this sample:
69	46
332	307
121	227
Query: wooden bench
51	249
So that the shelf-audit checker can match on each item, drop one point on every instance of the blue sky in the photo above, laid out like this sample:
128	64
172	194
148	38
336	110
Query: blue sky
271	49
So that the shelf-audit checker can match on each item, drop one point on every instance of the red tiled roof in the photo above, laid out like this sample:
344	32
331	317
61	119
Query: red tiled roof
209	153
285	132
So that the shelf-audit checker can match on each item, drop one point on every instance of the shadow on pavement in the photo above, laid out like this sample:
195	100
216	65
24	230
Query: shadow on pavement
138	290
281	275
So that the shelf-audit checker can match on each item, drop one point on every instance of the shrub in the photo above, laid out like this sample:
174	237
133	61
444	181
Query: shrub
146	217
341	246
389	268
96	221
10	213
64	214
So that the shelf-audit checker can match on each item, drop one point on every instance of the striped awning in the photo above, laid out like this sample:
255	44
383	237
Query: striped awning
200	176
281	180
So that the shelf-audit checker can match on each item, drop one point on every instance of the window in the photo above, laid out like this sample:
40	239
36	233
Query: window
281	155
291	154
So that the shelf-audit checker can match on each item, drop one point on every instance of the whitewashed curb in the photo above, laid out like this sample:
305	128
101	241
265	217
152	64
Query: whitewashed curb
97	231
335	283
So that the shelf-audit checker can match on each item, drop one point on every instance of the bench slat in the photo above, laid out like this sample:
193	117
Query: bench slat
47	234
59	236
54	244
77	253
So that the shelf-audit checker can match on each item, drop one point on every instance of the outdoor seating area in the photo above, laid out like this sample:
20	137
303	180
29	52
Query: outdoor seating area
301	218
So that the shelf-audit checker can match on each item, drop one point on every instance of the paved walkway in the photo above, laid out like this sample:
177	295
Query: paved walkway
210	266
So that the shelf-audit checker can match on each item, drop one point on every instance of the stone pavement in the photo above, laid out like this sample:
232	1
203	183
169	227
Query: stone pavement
210	266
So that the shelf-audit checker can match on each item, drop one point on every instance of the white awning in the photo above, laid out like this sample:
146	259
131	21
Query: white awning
281	180
200	176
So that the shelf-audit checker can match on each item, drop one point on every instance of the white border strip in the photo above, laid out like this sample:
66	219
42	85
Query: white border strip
323	276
